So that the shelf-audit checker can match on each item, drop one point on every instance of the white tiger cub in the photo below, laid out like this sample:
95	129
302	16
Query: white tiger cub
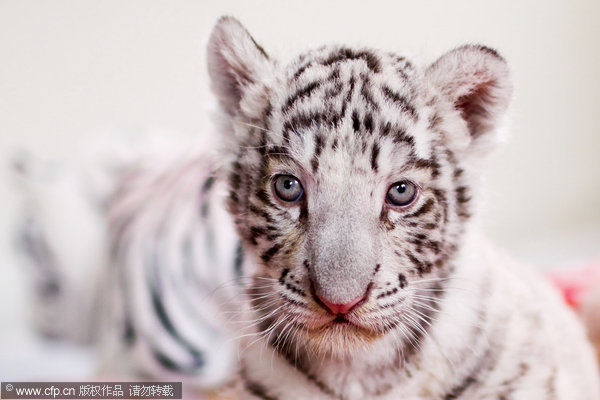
351	177
352	182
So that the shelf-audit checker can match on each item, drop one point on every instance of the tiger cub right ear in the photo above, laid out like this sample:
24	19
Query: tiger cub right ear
235	62
476	80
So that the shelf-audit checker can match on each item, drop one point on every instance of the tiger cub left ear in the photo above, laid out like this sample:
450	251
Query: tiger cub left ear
476	79
235	63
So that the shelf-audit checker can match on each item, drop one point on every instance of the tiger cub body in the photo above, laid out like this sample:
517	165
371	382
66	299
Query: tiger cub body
352	180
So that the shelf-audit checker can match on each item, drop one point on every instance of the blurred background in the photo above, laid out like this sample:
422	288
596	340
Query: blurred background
71	71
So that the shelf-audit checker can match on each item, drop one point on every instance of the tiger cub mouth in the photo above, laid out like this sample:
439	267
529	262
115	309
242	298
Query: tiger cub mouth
343	325
340	319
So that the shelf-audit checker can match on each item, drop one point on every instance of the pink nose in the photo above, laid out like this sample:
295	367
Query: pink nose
341	308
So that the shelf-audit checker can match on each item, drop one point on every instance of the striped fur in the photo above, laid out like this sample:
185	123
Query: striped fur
176	262
57	210
142	264
444	315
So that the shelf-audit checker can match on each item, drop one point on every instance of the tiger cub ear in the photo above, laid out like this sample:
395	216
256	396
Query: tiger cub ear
235	62
476	80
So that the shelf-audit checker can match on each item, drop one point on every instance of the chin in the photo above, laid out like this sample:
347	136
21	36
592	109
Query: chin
339	339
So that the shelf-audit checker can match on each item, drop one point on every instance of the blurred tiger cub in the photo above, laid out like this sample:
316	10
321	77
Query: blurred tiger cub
352	179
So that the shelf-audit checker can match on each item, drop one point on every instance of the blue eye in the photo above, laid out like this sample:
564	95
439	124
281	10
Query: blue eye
402	193
287	188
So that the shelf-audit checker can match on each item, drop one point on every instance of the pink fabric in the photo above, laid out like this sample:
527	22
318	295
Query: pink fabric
574	283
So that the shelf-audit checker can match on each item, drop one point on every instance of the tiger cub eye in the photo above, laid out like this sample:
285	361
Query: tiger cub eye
288	188
401	193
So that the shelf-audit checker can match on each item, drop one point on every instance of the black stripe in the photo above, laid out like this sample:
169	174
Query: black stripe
292	301
402	281
283	275
266	114
318	148
204	191
129	334
262	231
460	388
374	155
167	362
258	212
400	136
259	47
368	122
393	304
307	120
422	266
485	363
434	166
334	145
388	293
255	388
234	175
355	121
487	50
303	217
440	195
161	313
421	163
34	244
385	220
433	245
238	262
300	70
165	321
367	95
267	255
385	128
300	94
424	209
402	64
346	54
461	195
263	196
208	184
509	384
401	101
285	349
306	264
462	202
351	84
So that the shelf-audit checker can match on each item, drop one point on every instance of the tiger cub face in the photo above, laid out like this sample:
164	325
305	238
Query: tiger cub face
350	176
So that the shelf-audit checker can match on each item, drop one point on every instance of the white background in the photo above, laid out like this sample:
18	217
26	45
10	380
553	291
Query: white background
71	68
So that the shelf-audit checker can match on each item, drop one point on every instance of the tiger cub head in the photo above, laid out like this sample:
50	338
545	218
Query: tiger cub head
350	175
